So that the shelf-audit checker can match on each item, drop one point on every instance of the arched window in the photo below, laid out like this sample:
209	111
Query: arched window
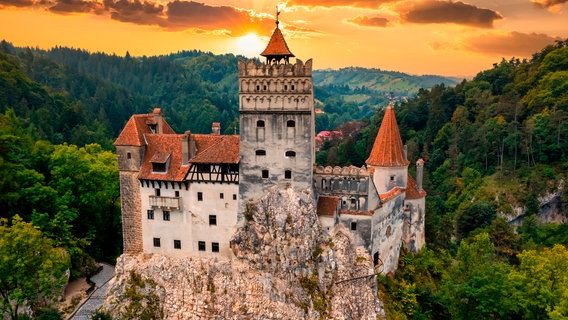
290	153
260	124
260	152
290	123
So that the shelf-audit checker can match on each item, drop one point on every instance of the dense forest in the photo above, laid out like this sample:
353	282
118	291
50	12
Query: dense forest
493	147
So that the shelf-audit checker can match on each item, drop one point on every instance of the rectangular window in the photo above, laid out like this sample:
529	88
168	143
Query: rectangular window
177	194
353	226
166	216
201	245
287	174
212	220
156	242
157	192
128	155
265	174
200	196
177	244
234	196
150	214
221	196
215	246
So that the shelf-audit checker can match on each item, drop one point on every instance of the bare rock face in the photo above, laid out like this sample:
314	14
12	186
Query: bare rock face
285	267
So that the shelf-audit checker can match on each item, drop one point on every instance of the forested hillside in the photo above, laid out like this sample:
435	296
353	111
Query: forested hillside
496	154
493	147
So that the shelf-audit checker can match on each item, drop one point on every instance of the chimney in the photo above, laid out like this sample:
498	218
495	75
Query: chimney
405	150
419	173
188	148
216	128
157	113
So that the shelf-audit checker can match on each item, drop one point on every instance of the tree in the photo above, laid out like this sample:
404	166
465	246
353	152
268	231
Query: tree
476	285
478	215
32	270
541	281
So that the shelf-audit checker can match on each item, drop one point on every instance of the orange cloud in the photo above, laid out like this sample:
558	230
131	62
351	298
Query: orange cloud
70	6
369	21
339	3
447	12
509	44
16	3
548	3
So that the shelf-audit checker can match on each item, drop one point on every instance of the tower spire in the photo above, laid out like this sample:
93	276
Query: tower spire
277	49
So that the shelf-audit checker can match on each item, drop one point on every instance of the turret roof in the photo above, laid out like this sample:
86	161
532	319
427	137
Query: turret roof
388	150
277	47
137	126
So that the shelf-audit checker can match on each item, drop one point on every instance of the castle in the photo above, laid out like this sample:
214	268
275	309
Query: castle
186	194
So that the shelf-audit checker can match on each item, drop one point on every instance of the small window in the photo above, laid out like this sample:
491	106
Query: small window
215	246
166	216
290	154
150	214
257	88
265	174
391	178
128	155
158	167
290	123
264	87
234	196
285	87
221	196
201	245
177	244
200	196
260	124
177	194
157	192
288	174
212	220
353	201
353	226
260	152
293	87
157	242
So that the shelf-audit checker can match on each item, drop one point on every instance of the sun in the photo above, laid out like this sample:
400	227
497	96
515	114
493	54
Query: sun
249	45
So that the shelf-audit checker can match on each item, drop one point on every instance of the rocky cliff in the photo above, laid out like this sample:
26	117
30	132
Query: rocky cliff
285	267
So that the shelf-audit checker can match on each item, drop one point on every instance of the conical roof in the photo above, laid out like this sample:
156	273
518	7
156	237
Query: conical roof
388	150
277	47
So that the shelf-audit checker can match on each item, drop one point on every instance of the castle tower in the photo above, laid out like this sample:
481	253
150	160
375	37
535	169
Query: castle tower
388	157
276	122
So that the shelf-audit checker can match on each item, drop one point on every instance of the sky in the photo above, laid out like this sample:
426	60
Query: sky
451	38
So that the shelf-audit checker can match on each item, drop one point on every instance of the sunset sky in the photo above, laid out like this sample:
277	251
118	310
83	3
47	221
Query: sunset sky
451	38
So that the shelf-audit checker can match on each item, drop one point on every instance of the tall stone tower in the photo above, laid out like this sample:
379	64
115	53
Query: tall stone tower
276	107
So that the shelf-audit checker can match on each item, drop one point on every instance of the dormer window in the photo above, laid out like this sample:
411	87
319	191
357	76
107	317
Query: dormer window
152	127
160	162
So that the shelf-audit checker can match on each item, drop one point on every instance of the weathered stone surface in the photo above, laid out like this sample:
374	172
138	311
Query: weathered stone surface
285	267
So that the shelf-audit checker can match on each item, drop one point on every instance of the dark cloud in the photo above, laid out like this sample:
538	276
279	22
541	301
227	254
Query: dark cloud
69	6
449	12
339	3
136	11
369	21
548	3
16	3
511	44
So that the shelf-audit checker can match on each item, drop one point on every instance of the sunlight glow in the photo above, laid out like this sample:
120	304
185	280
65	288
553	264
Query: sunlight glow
250	45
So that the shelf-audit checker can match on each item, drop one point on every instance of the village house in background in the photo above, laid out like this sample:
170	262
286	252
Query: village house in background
186	194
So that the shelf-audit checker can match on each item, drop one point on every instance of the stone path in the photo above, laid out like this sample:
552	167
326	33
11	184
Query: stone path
97	298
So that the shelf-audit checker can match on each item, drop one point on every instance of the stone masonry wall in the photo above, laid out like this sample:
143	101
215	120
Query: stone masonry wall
131	212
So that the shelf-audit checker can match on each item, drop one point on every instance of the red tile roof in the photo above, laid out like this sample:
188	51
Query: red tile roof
158	146
327	205
216	149
356	213
137	126
388	150
210	149
277	46
391	194
412	191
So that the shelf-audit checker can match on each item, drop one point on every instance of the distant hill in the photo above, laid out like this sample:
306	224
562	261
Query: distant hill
363	80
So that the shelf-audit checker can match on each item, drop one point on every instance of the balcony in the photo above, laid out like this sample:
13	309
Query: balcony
170	203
